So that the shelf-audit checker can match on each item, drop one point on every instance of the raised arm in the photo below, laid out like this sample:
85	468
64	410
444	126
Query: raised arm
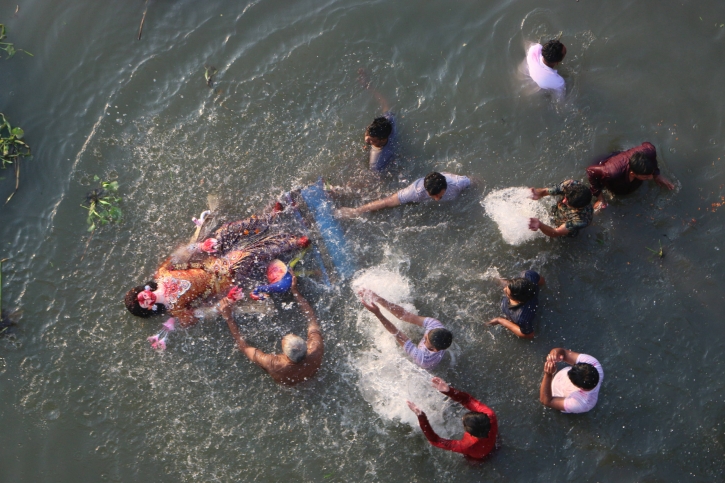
545	395
462	398
562	355
253	354
389	326
389	202
431	435
312	323
394	309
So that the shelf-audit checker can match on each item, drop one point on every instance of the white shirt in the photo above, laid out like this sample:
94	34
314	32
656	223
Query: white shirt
416	193
542	74
577	400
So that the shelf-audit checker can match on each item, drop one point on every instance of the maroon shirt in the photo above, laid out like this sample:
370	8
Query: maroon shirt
469	445
613	172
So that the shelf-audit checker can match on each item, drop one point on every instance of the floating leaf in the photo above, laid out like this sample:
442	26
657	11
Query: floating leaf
17	132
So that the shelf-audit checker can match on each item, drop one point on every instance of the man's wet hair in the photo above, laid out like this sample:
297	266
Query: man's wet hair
641	164
135	308
522	289
434	183
441	339
294	347
577	195
477	424
553	51
584	375
379	128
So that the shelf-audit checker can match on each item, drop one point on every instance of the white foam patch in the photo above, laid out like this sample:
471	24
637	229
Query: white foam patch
387	377
511	209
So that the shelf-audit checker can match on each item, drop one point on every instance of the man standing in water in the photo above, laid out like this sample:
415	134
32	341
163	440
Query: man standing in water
574	389
519	304
622	173
480	423
431	349
299	360
380	134
571	214
542	62
434	187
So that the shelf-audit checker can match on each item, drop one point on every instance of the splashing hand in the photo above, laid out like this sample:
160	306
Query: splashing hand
534	224
345	213
440	384
414	408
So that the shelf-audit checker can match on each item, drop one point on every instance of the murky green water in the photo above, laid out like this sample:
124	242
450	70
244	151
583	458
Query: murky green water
83	398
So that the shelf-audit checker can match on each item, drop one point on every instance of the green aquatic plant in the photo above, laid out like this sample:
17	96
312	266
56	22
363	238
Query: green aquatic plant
660	253
103	205
12	148
8	47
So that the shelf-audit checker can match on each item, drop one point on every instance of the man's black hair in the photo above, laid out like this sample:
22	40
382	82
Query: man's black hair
434	183
380	128
135	308
553	51
522	289
441	339
642	164
477	424
584	375
577	195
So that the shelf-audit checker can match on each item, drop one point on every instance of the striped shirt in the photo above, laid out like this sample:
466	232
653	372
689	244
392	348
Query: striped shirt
421	355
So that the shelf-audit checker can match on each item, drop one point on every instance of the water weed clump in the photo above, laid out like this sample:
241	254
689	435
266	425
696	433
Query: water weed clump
102	205
12	148
8	47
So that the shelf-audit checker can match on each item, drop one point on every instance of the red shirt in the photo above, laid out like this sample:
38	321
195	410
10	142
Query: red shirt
613	172
469	445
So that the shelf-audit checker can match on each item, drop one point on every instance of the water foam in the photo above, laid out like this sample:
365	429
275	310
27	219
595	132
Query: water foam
387	377
511	209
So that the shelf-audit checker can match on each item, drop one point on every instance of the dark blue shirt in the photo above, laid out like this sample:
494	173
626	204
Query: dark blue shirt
523	314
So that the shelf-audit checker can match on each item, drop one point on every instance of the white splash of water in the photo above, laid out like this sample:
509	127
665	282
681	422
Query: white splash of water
511	209
387	377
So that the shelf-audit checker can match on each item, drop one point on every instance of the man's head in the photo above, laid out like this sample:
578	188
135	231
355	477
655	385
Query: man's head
642	165
439	339
577	195
435	185
584	376
477	424
520	289
378	132
553	52
294	347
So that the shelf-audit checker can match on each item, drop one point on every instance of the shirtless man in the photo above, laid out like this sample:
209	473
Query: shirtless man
299	360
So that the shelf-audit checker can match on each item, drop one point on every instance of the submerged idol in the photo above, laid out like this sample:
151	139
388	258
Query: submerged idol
203	271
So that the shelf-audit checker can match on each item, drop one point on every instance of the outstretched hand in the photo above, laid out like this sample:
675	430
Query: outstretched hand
345	213
414	408
440	384
534	224
536	194
363	78
493	322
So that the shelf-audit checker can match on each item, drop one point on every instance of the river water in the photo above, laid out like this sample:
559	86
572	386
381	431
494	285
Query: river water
84	398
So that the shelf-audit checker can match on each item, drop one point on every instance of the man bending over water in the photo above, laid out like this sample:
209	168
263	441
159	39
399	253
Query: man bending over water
571	214
622	173
434	187
480	423
299	360
431	349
